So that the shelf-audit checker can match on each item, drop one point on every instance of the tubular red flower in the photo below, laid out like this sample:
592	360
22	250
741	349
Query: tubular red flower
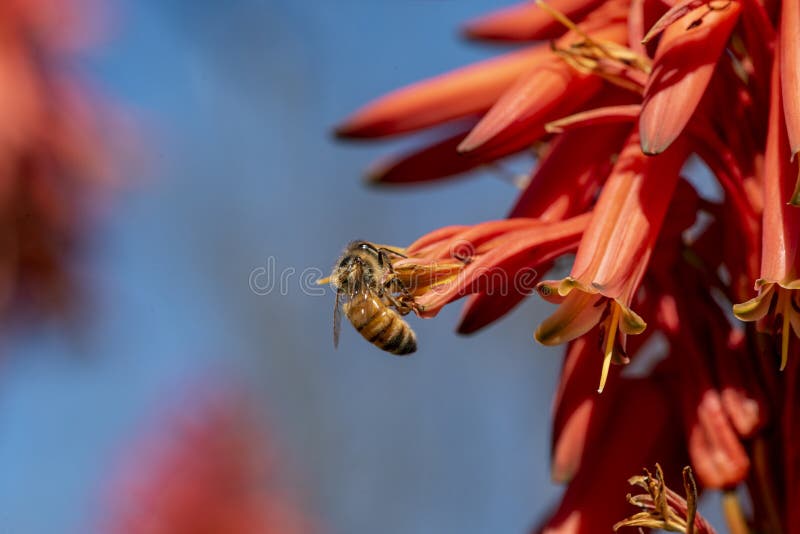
700	85
579	414
551	90
718	456
56	155
790	71
535	100
210	472
527	21
684	62
460	93
592	503
442	160
563	184
780	258
614	251
676	12
500	257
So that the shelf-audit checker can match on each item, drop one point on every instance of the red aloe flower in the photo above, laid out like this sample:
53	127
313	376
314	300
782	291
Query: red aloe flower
614	251
461	93
790	71
527	21
594	499
684	62
618	105
780	258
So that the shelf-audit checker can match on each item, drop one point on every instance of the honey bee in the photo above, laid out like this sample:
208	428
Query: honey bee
373	298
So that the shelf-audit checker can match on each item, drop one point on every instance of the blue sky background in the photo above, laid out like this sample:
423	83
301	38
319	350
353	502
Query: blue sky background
236	100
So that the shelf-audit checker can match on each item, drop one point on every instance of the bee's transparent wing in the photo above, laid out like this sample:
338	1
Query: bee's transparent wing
337	320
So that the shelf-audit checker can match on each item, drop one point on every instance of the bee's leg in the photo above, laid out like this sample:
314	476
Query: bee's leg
400	305
405	303
394	285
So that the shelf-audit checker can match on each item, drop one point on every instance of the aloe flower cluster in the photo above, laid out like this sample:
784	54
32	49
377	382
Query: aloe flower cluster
615	98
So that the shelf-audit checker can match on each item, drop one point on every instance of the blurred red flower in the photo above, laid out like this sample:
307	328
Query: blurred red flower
55	149
627	96
207	469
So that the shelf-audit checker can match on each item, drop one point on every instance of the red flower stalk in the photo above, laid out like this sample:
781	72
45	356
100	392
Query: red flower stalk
617	106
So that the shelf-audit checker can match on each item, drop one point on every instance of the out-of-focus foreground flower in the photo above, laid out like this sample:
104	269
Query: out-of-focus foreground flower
617	97
54	152
207	469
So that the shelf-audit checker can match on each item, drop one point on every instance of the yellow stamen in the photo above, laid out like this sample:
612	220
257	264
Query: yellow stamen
784	305
562	19
611	335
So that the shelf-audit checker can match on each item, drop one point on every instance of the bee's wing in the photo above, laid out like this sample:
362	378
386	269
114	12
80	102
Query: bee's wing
337	320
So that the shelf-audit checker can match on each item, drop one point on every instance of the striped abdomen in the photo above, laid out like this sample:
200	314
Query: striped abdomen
380	324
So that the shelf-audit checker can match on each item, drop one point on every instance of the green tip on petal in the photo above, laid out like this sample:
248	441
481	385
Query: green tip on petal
795	199
575	316
567	285
630	322
755	308
650	148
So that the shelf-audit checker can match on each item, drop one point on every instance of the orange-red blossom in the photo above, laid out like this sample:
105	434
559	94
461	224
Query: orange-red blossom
626	97
614	253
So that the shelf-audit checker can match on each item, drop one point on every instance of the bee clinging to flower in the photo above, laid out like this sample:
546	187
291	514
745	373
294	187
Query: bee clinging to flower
373	298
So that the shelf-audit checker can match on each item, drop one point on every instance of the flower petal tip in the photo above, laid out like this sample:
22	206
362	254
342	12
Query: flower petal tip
548	336
469	143
376	177
652	145
795	198
631	323
756	308
349	130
